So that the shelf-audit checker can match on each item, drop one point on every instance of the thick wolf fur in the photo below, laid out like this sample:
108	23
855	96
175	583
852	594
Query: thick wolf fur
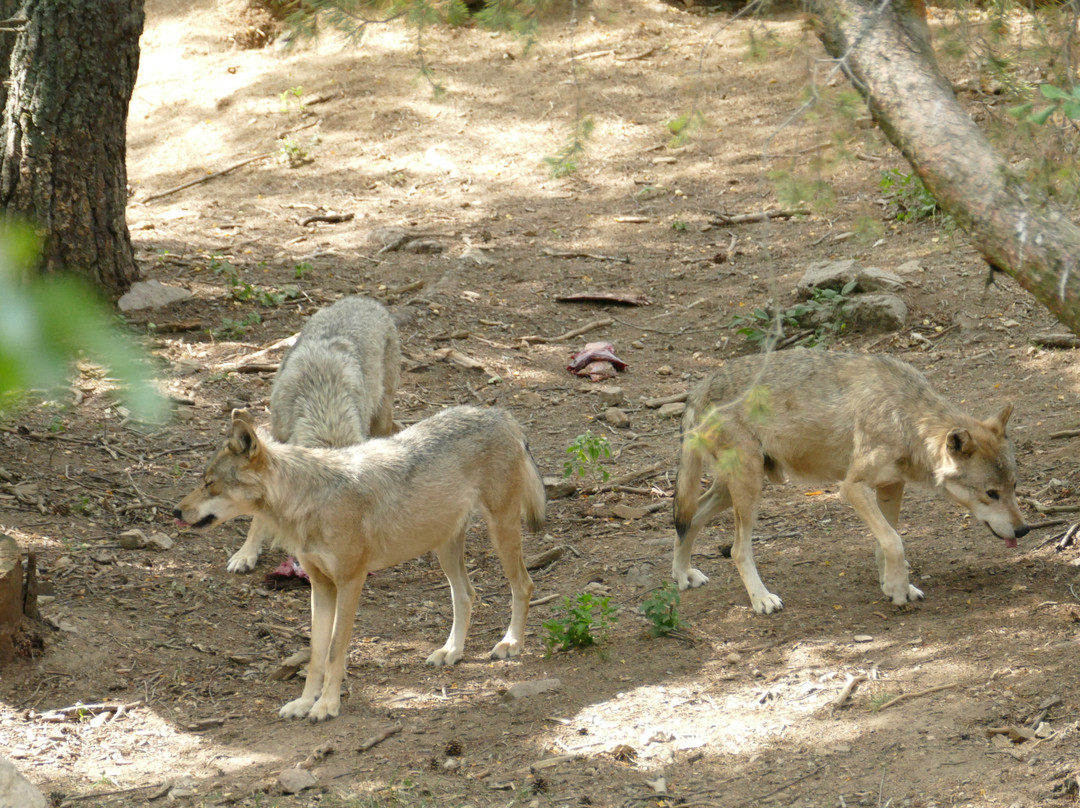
872	422
346	512
335	388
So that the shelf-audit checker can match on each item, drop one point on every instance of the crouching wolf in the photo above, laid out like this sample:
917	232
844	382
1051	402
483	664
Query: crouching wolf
872	422
346	512
335	388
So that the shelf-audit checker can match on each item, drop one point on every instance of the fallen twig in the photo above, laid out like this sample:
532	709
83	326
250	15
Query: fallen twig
760	216
657	403
577	332
236	363
378	738
849	687
209	177
329	218
917	694
622	259
1066	433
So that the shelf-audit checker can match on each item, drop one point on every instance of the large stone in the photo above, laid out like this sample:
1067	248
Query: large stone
836	275
874	313
151	295
16	791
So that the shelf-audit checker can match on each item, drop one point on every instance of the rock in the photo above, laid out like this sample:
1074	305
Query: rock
16	791
151	295
617	418
523	690
673	410
838	274
293	781
559	487
612	396
628	512
874	313
133	539
159	541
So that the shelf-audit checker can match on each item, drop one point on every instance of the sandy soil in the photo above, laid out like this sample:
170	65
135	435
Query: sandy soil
739	709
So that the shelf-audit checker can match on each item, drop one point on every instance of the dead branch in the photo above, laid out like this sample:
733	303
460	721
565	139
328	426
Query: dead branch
918	694
577	332
235	363
657	403
760	216
1066	433
208	177
329	218
378	738
849	687
622	259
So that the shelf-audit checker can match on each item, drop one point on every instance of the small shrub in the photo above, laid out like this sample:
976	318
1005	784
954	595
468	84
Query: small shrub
581	622
585	454
661	609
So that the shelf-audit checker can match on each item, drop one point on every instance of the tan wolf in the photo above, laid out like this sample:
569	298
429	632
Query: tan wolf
346	512
335	388
872	422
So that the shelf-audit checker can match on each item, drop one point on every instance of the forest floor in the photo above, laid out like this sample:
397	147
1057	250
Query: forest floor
739	709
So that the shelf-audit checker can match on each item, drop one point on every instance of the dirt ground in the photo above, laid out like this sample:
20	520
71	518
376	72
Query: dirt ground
739	709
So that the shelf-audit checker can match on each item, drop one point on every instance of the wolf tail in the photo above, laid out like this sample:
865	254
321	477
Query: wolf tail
534	500
688	478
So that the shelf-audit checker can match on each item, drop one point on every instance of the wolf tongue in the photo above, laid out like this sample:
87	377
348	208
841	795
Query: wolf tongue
1010	543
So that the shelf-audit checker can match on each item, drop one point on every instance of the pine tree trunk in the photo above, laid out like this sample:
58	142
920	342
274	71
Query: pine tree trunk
71	71
885	48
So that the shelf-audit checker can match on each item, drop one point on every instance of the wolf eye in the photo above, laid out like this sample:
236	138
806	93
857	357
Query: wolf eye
993	495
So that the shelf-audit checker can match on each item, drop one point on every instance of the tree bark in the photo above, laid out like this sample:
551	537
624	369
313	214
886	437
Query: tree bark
70	75
884	48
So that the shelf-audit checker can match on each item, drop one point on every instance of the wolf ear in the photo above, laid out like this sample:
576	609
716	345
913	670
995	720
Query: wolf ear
997	423
242	438
960	442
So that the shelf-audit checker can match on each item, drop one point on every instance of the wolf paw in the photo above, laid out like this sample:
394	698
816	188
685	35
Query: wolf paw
904	594
766	603
242	562
505	650
298	708
444	656
323	710
691	580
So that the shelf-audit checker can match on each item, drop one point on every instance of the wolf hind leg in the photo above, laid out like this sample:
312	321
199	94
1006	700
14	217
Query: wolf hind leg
504	527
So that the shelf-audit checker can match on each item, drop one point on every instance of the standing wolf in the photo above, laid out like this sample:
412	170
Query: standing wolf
346	512
872	422
335	388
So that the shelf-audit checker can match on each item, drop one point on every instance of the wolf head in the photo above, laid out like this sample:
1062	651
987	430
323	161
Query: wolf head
231	483
979	472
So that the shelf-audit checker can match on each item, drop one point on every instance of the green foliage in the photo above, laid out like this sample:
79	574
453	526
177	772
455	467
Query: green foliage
235	329
301	270
912	201
565	162
683	127
245	292
1067	103
294	154
46	322
793	190
291	100
586	452
679	225
661	609
580	622
822	312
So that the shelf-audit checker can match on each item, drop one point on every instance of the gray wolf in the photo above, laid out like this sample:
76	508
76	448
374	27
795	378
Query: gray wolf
335	388
346	512
871	422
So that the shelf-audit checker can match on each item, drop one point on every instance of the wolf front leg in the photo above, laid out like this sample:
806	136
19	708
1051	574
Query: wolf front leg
347	598
245	559
890	553
323	595
451	556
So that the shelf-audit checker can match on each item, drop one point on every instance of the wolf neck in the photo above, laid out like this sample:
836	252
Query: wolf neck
297	482
933	430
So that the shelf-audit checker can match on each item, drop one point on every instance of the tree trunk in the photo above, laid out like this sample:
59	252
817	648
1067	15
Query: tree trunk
71	71
884	47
